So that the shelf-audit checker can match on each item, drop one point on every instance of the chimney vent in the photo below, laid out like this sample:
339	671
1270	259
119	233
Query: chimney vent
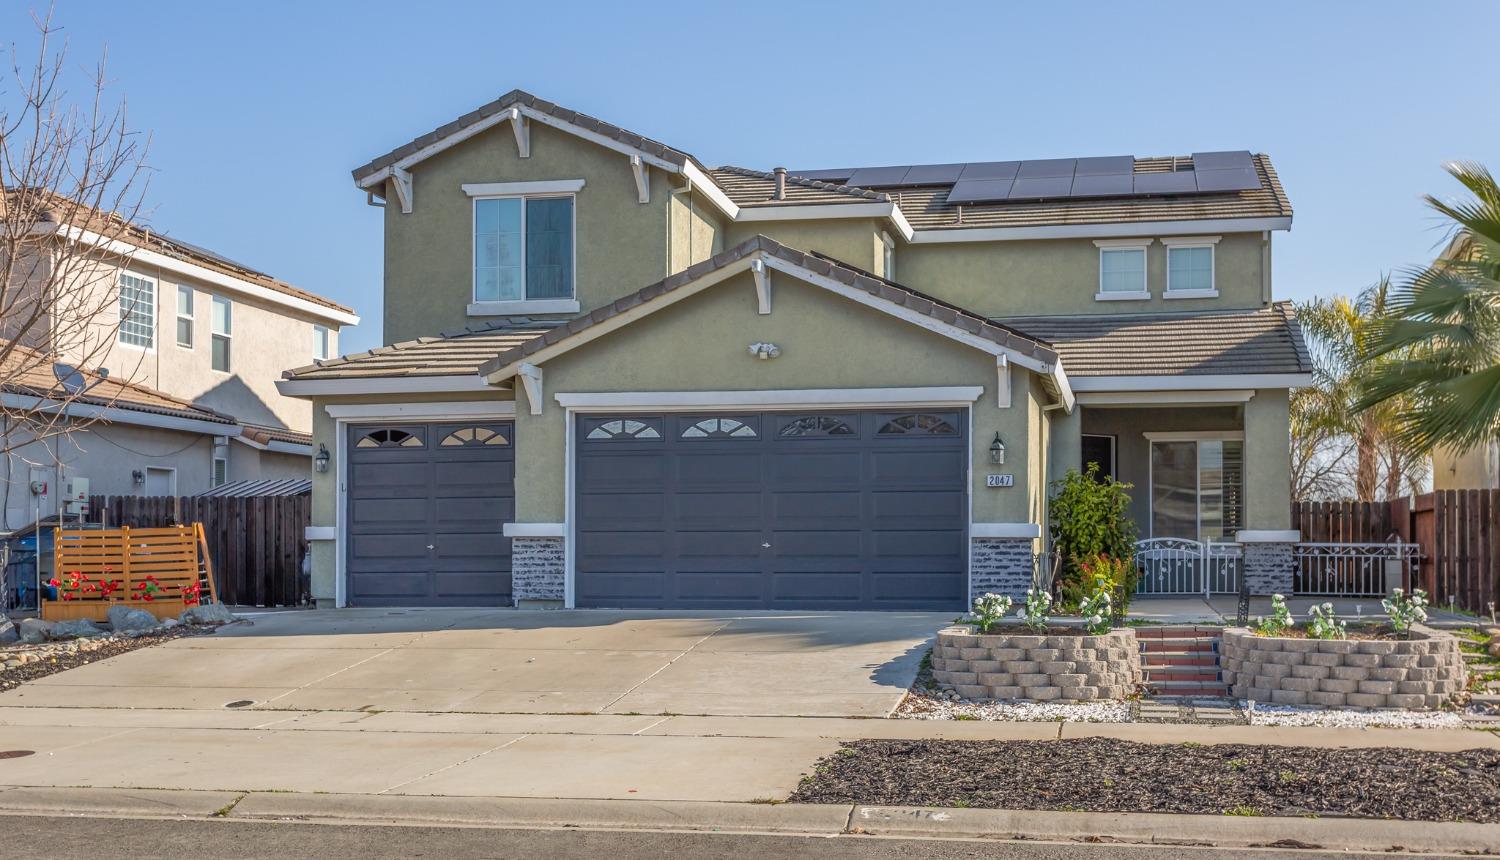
780	192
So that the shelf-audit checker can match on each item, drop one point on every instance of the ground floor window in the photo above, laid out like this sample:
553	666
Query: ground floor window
1197	486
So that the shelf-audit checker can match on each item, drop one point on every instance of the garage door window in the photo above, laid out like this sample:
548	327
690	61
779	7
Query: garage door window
816	425
718	428
932	425
624	429
473	436
389	438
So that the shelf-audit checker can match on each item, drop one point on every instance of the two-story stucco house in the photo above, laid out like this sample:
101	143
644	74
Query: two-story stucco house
193	345
618	377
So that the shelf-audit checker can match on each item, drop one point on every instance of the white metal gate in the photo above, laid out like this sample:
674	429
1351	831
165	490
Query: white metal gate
1182	566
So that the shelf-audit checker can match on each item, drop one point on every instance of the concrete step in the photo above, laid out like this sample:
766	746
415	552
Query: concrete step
1190	688
1179	658
1208	646
1155	677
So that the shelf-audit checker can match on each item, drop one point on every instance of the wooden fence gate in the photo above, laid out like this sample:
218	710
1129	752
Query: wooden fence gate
256	543
1458	532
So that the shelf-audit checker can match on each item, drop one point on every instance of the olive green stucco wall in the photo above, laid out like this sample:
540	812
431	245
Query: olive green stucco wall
621	243
699	344
1061	276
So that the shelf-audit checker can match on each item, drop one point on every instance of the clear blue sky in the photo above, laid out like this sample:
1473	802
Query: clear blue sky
258	111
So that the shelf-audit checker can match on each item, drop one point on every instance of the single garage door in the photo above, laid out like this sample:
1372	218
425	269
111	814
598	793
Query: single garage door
827	510
426	504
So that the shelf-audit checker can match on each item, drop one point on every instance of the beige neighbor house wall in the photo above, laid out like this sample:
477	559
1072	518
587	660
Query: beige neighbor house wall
1478	468
699	344
265	339
1061	276
620	243
247	464
849	240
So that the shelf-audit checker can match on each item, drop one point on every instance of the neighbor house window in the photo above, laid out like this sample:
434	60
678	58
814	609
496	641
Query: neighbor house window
523	248
221	470
889	261
1122	269
223	328
137	311
1190	265
1197	486
321	342
184	316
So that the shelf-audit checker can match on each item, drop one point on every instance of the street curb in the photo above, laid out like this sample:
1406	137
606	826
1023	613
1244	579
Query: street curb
832	820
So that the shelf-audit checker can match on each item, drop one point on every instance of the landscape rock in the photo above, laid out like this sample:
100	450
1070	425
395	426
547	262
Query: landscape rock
208	613
1494	647
8	631
123	618
74	628
35	631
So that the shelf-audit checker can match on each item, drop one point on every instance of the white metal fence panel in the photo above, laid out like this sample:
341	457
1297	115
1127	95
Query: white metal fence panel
1353	569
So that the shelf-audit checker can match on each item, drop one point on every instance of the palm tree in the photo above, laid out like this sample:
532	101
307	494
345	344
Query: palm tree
1438	346
1340	334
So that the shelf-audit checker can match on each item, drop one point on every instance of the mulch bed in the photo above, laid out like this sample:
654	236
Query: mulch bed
1108	775
103	649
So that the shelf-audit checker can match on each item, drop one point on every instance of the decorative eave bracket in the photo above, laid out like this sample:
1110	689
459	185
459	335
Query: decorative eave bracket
762	285
642	173
531	380
1002	382
522	128
401	179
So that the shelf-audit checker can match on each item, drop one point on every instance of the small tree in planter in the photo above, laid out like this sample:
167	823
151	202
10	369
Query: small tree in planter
1089	517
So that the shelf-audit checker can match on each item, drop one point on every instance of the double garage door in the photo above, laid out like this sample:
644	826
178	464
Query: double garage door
774	510
426	503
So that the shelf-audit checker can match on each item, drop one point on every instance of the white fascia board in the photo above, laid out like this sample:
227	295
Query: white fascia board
1090	231
534	530
828	211
279	447
514	189
117	415
704	183
437	410
629	401
1166	398
250	443
1192	382
1019	531
457	384
1064	385
219	279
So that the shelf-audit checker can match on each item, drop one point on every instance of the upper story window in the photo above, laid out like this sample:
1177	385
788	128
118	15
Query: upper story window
523	248
889	261
137	311
322	342
184	316
223	330
1122	269
1190	267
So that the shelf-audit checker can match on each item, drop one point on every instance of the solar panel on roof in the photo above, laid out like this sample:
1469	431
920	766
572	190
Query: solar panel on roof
1230	160
1239	179
933	174
204	252
990	170
980	190
835	175
1109	165
1179	182
878	177
1047	167
1108	185
1039	187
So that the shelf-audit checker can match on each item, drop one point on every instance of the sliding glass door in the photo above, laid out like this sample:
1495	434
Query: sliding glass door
1197	488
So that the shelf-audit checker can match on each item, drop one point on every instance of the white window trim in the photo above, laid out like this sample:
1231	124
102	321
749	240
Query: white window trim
1175	242
227	334
1125	245
155	317
1198	437
1114	450
213	472
534	191
191	317
327	345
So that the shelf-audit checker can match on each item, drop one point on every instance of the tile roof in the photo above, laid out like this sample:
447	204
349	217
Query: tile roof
30	373
754	188
61	210
455	353
262	434
1262	340
973	323
520	97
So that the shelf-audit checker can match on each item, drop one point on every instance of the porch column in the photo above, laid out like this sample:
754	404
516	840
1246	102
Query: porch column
1268	461
1067	443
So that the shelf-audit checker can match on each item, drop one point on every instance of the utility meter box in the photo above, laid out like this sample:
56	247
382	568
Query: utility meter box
75	496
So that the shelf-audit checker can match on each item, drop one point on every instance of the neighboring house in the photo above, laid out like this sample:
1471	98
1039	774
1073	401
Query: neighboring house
1477	468
178	324
620	378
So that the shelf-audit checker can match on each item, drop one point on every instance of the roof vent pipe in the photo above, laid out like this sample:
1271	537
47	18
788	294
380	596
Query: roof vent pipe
780	192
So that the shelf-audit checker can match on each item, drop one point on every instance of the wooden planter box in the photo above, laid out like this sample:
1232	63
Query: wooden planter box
174	558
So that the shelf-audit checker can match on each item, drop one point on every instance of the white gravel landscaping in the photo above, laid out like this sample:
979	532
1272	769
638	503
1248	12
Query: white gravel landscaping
1293	715
926	708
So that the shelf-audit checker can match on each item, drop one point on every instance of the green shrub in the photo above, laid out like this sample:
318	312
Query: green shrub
1089	517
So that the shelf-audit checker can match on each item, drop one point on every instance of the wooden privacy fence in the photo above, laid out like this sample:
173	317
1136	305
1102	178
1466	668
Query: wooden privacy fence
160	570
256	543
1458	532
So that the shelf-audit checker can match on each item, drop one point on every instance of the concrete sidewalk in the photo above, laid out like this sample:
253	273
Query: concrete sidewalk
828	821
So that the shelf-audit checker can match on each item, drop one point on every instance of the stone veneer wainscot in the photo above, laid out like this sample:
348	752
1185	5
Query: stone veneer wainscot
1019	665
1000	566
537	569
1421	672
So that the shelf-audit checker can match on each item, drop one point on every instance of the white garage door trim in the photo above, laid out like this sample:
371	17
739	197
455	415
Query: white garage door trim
710	401
386	413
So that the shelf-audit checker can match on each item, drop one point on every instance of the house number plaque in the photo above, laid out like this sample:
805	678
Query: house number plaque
999	480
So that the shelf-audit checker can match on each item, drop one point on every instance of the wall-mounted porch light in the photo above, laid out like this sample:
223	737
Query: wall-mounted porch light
997	451
138	476
320	462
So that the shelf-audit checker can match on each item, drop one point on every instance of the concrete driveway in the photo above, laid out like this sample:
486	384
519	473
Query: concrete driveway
508	661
